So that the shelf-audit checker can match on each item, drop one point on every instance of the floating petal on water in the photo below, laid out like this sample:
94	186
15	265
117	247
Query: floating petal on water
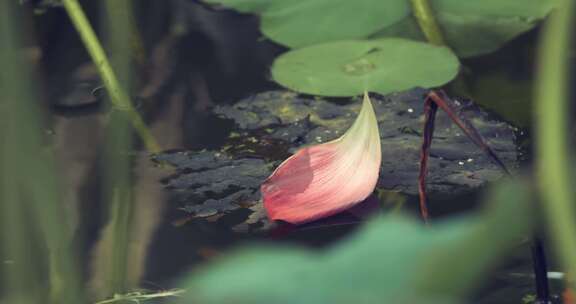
322	180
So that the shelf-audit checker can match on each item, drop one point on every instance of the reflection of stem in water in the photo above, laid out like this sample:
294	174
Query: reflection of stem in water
117	94
133	190
112	254
115	245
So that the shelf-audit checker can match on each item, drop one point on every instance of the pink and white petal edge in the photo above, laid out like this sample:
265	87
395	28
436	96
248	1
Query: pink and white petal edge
325	179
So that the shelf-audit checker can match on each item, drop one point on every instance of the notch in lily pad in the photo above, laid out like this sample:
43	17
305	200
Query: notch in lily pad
348	68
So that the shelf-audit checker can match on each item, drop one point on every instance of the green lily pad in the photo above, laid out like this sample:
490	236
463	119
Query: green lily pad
393	259
297	23
347	68
473	28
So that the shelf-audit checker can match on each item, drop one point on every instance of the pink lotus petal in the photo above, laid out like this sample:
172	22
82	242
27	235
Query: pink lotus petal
322	180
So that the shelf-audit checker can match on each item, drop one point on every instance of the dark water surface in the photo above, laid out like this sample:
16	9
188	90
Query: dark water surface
209	115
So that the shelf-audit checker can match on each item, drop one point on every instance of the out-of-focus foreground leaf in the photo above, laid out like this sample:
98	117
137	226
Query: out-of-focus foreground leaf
38	265
393	259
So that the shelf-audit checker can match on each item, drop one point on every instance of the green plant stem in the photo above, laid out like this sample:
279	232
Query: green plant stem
117	95
424	15
553	160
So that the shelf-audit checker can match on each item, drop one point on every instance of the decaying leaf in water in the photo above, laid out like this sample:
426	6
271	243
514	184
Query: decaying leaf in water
292	121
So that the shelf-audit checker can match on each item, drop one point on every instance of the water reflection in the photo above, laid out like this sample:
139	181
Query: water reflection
194	62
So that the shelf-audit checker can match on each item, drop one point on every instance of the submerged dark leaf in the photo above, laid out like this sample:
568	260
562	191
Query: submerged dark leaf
400	122
273	123
214	182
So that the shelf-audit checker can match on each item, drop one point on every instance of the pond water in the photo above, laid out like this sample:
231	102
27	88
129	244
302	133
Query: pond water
225	126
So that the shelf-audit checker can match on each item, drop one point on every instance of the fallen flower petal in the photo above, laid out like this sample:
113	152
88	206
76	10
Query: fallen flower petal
322	180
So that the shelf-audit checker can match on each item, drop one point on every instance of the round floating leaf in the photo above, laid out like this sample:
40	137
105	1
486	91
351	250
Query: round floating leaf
347	68
474	28
296	23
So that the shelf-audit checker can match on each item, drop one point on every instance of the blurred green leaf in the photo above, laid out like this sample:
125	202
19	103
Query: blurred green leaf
553	100
347	68
298	23
473	28
393	259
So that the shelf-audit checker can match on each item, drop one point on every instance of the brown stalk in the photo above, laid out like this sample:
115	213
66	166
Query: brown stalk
433	101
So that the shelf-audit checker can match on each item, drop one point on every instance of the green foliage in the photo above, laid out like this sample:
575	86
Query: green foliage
298	23
347	68
394	259
471	27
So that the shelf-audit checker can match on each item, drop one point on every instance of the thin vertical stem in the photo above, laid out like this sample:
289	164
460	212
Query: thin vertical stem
424	15
430	108
445	104
540	270
426	20
117	94
538	254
